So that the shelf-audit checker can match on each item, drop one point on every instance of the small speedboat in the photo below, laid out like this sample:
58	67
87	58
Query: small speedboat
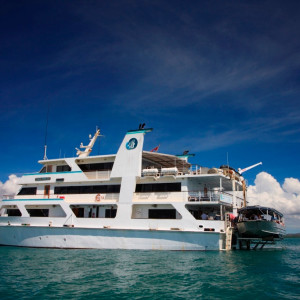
260	222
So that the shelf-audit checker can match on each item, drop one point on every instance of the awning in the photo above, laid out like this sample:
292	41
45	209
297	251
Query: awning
167	160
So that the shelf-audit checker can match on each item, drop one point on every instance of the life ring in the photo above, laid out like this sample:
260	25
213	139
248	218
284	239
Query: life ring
98	197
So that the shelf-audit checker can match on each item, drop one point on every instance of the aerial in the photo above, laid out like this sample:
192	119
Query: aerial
219	80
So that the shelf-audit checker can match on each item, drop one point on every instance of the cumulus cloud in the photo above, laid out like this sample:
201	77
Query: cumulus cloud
267	191
10	186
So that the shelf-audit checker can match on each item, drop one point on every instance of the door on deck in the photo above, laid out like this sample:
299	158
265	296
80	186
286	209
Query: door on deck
47	191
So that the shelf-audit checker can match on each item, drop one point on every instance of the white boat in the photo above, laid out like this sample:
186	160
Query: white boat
134	199
260	222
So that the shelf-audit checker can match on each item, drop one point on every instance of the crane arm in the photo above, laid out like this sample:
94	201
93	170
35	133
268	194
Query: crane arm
248	168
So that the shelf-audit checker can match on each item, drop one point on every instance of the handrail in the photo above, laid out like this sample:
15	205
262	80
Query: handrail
186	196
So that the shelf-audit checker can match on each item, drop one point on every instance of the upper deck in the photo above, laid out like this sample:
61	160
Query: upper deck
130	176
156	167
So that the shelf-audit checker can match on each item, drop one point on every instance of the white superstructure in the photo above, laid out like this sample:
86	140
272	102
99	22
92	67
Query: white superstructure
132	200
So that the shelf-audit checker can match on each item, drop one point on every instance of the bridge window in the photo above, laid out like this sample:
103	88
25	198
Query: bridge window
64	168
96	167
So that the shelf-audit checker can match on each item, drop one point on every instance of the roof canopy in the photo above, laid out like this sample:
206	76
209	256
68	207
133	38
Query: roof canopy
263	209
167	160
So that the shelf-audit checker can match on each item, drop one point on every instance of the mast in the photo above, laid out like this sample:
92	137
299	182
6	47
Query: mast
46	132
89	147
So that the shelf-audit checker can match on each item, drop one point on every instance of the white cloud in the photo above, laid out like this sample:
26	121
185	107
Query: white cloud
267	191
10	186
292	185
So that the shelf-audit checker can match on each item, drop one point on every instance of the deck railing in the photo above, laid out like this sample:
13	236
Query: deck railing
190	196
193	170
214	196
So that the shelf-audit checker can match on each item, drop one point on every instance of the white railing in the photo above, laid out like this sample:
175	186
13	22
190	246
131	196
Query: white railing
74	197
193	170
97	198
214	196
190	196
159	196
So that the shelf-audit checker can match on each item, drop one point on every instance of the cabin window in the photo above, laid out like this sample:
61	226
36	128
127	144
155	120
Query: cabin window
13	212
88	189
37	212
162	213
78	212
158	187
46	169
27	191
94	211
201	212
110	213
53	211
64	168
154	211
43	170
97	167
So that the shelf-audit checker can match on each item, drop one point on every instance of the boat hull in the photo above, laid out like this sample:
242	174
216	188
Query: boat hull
260	229
95	238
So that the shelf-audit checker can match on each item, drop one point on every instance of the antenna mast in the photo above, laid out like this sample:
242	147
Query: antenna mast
46	132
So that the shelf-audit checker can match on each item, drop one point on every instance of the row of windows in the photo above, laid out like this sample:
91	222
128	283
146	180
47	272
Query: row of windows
48	169
97	167
92	189
158	187
109	213
87	189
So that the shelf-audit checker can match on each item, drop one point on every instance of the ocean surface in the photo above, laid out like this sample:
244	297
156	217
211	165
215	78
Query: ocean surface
28	273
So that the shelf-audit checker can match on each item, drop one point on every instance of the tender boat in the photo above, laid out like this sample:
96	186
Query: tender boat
260	222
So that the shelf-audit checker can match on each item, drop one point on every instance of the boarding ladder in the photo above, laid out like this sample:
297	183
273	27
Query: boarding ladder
229	231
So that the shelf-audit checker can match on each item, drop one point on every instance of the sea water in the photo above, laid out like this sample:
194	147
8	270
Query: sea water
27	273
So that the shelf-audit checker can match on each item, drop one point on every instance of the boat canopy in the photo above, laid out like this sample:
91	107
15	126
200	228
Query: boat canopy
167	160
263	209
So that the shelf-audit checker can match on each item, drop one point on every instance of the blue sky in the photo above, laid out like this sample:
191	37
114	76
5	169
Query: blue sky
214	77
